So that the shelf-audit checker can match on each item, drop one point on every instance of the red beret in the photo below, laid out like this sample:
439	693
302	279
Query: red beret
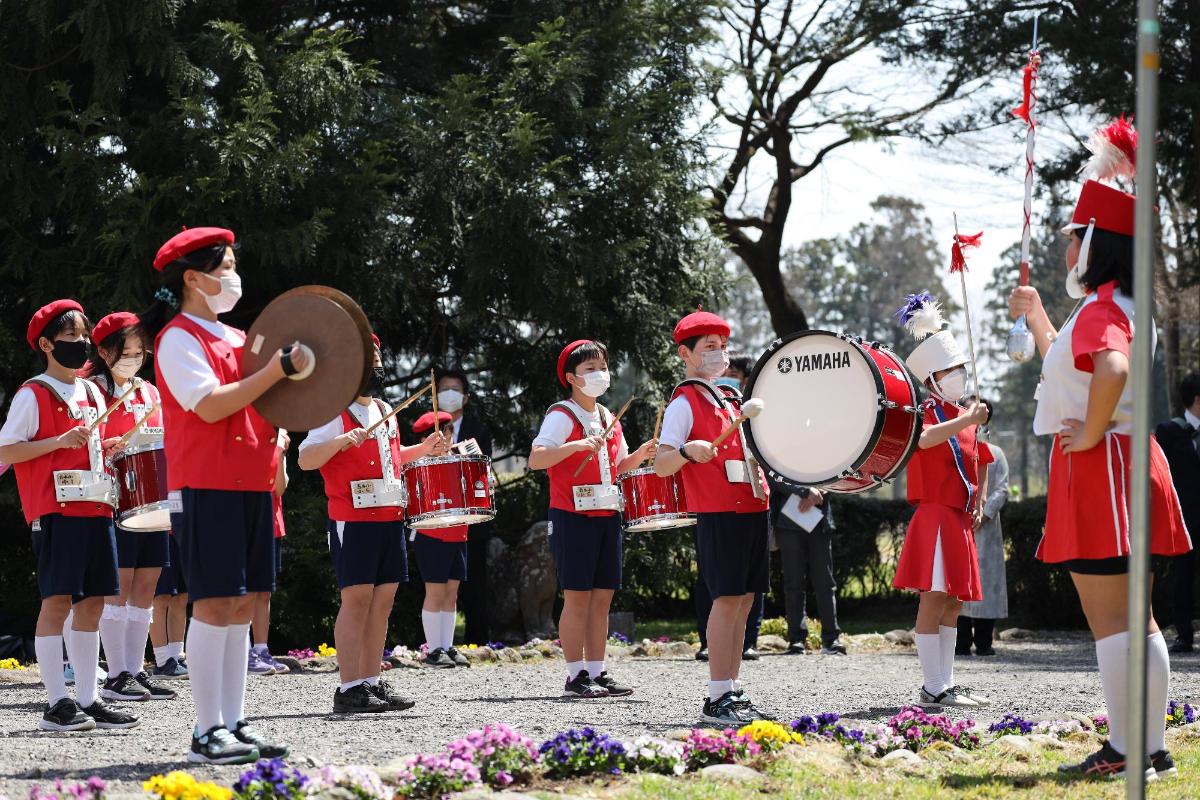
564	355
425	421
43	315
116	321
189	240
375	339
700	323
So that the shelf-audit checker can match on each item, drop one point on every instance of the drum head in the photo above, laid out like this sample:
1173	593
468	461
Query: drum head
337	330
821	407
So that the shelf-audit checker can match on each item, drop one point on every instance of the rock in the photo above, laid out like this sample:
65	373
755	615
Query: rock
1018	746
944	751
645	649
1046	741
735	773
406	663
291	663
480	654
530	655
548	649
320	665
678	649
1016	635
523	609
508	656
900	636
866	641
615	651
772	643
905	759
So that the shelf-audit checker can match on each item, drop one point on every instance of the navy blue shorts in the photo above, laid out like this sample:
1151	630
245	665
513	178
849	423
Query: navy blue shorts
731	551
368	553
226	540
171	580
75	556
142	550
440	561
587	550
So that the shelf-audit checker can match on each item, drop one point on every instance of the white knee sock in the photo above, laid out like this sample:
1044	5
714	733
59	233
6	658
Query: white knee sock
137	631
175	651
1112	653
594	668
929	653
1158	678
233	674
206	647
85	655
49	657
448	620
949	637
718	689
431	622
576	667
112	636
66	634
161	654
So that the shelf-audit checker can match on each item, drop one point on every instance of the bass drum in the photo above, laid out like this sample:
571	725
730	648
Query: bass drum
840	413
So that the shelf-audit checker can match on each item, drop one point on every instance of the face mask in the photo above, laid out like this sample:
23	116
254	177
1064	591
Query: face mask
450	400
227	298
375	382
732	383
1075	289
72	355
595	383
126	368
713	363
953	386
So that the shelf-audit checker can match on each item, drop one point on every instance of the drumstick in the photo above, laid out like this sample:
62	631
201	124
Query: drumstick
436	427
658	422
136	426
133	385
399	408
607	432
750	410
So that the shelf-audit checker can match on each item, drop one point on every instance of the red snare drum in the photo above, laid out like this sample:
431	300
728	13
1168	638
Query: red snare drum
447	490
839	413
653	503
141	476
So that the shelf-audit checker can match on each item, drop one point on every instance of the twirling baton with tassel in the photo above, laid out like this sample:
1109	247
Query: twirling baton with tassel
1021	345
958	263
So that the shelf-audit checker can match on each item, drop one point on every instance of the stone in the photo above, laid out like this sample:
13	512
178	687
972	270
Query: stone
508	656
548	649
944	751
613	652
531	655
645	649
1018	746
1046	741
621	622
866	641
900	636
406	663
480	654
905	759
772	643
292	664
679	649
735	773
1016	635
523	609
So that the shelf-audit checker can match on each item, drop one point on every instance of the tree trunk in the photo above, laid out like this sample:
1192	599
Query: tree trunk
762	259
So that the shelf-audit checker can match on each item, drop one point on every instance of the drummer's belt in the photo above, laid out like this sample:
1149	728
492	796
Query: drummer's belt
84	486
597	497
378	492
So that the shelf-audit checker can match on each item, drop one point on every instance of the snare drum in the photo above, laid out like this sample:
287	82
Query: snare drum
141	474
653	503
840	413
447	490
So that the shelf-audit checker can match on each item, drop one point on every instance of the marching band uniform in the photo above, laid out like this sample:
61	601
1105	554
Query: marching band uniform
729	496
67	498
441	557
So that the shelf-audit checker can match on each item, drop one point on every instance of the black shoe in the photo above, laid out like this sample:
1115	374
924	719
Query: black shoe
173	669
156	692
987	651
750	654
218	746
747	706
357	700
1180	647
1163	764
124	688
702	654
108	718
439	659
725	712
247	735
584	687
959	652
610	685
796	649
1104	763
458	658
394	700
833	649
65	715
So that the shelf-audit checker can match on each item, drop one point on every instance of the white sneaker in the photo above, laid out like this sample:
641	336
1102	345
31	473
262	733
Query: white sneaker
979	697
948	698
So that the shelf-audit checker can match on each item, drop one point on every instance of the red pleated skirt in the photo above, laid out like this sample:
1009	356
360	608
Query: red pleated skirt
960	561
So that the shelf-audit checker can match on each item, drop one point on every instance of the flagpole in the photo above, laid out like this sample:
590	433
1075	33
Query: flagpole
962	276
1021	345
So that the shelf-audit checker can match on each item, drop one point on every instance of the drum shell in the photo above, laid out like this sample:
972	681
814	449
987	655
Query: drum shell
448	490
652	502
141	475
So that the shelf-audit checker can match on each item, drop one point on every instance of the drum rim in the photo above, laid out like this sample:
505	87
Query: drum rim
470	511
134	450
642	471
687	518
157	505
425	461
876	432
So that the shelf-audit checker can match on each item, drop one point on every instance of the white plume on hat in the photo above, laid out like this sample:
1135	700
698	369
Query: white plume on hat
921	315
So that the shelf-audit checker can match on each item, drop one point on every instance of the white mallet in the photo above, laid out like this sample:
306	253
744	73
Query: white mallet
750	410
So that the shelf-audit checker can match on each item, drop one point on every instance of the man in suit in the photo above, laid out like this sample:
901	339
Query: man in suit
454	391
1180	441
806	557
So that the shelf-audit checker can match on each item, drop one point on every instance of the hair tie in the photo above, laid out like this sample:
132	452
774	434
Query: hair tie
167	296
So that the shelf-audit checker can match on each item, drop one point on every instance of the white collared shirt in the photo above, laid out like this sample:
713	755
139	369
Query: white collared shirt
184	365
22	422
677	419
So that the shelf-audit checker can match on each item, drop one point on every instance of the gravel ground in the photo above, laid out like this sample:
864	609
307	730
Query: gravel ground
1036	678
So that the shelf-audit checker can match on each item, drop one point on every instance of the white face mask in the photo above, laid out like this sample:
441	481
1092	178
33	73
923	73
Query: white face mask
126	368
953	386
450	400
595	383
227	298
1075	289
713	363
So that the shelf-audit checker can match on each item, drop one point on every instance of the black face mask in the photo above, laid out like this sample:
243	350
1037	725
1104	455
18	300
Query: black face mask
375	383
72	355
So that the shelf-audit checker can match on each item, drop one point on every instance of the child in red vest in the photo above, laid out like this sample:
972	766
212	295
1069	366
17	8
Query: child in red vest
118	355
728	494
442	559
222	462
585	520
68	500
366	536
938	558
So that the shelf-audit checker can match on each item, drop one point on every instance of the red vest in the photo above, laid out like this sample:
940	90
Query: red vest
947	474
360	464
123	417
706	486
277	511
562	475
236	454
35	478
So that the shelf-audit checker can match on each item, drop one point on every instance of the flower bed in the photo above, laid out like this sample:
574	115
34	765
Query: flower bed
11	663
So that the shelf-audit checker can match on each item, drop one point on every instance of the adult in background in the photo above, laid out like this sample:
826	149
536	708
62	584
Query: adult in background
806	554
1180	440
977	621
454	395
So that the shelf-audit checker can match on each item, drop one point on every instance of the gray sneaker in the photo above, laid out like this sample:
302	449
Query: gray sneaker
979	698
726	711
949	698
